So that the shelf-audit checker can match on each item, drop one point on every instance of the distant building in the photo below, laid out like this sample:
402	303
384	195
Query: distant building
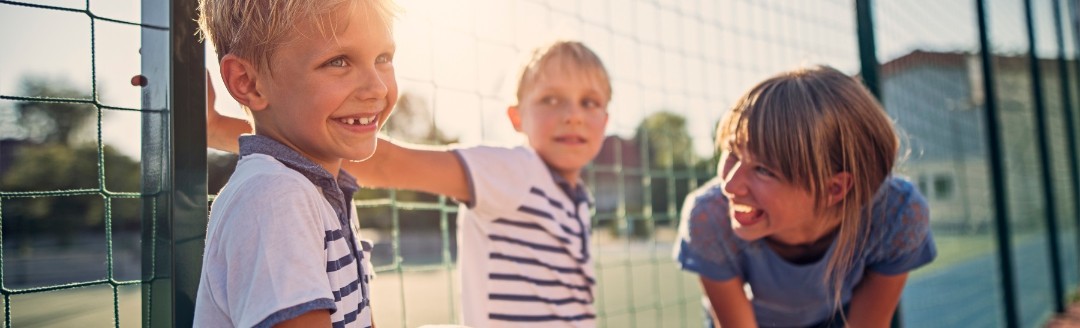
937	101
617	157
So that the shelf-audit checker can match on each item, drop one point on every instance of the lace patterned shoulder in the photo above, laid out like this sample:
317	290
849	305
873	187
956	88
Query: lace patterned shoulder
900	222
705	227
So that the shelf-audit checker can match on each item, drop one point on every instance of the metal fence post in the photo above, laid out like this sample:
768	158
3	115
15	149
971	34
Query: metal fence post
1044	158
869	70
188	138
1067	109
157	294
997	181
174	164
867	46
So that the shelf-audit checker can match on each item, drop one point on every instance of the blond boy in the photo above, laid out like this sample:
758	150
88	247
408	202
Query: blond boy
523	230
316	76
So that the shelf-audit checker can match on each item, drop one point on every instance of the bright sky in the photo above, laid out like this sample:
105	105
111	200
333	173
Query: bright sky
689	57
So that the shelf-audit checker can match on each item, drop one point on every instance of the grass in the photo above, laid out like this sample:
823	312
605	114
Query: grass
636	287
953	249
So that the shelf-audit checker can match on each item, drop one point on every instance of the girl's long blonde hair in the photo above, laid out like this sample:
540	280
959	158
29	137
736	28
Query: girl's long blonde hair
810	124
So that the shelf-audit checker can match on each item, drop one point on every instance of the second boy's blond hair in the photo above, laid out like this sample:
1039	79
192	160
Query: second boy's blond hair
254	29
570	55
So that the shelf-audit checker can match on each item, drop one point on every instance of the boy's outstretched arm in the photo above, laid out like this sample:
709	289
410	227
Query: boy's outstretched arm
413	167
431	170
222	132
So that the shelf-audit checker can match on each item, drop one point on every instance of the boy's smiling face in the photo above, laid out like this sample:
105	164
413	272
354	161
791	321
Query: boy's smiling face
329	91
563	113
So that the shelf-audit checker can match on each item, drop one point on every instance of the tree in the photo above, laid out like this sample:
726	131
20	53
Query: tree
50	157
51	122
669	149
667	143
412	123
54	166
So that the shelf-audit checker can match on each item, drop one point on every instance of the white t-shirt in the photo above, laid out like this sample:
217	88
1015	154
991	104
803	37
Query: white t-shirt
276	249
523	254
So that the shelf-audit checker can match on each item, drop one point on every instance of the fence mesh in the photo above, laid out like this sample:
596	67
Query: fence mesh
69	199
675	66
71	228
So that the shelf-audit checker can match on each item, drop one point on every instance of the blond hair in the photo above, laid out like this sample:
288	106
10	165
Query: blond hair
569	56
810	124
254	29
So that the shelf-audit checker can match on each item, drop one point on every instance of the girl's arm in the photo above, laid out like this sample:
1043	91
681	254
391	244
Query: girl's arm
874	299
731	308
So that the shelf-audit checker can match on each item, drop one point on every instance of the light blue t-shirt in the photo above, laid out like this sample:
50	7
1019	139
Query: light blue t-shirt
790	295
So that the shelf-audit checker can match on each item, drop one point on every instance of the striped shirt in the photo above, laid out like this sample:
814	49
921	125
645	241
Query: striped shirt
283	241
523	252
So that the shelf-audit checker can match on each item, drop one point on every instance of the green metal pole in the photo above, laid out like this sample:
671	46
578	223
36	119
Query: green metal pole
157	299
997	182
867	46
1044	158
864	18
1066	111
188	148
173	163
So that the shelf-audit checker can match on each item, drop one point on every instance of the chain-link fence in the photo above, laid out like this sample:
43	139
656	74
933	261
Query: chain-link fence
100	111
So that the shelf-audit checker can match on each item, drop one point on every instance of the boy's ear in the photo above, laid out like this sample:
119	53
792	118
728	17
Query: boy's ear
515	117
242	80
838	187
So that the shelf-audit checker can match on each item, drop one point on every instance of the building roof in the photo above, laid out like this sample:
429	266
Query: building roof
920	58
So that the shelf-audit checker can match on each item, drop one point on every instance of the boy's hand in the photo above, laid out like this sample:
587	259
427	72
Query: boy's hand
222	132
211	98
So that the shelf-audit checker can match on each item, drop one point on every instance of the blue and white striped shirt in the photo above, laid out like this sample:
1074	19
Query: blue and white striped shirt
524	255
283	241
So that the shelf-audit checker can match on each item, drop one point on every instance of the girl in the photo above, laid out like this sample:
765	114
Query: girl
804	226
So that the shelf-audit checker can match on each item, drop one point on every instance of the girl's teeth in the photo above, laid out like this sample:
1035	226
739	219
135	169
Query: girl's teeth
742	208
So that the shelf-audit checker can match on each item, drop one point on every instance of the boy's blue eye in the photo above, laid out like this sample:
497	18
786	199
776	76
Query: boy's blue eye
549	101
590	104
337	62
382	59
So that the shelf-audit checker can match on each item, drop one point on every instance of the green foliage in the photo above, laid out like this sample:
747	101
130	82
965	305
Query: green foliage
412	122
673	168
57	167
47	122
49	159
667	142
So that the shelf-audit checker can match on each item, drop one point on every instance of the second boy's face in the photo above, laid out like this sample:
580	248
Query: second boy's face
329	93
563	115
